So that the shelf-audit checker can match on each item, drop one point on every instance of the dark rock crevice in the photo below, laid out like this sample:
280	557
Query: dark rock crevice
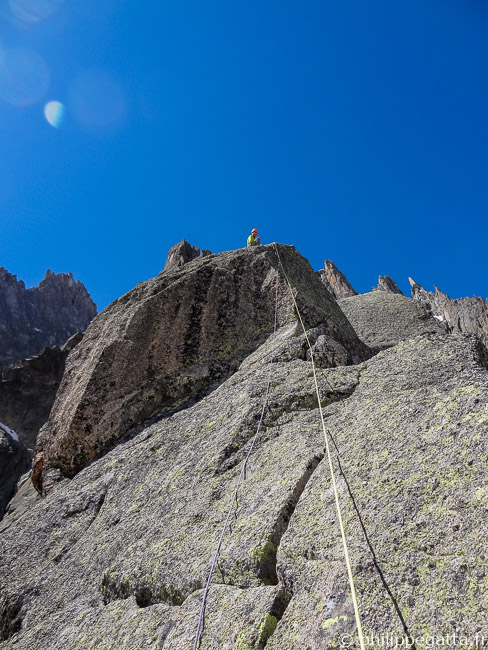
309	402
116	588
28	389
15	460
10	616
272	618
264	557
268	567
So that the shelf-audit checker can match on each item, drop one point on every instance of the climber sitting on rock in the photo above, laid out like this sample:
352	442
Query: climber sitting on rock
253	240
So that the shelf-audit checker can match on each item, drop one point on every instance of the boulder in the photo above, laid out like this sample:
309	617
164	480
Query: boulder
174	337
182	253
383	319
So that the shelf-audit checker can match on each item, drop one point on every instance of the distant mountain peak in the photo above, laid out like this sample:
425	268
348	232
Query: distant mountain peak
42	316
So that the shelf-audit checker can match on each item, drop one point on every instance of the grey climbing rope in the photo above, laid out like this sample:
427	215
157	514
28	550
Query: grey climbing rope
241	476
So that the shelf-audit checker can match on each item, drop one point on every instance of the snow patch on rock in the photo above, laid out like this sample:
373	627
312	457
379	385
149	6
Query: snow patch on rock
10	432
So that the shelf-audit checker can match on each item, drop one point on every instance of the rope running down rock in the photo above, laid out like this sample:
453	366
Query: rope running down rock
331	468
239	480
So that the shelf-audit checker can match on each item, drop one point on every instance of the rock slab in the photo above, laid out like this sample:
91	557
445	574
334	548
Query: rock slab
119	555
384	318
161	345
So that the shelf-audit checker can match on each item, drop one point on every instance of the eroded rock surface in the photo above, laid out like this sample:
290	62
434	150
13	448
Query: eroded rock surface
466	315
172	337
28	389
335	281
410	450
43	316
119	555
383	318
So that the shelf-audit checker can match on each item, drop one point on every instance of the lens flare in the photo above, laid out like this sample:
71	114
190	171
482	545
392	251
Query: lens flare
33	11
53	112
24	77
96	100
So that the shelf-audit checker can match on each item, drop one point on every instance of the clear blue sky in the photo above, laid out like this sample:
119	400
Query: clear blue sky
357	131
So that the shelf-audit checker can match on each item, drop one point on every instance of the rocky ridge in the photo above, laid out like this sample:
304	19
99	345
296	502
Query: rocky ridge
42	316
465	315
117	556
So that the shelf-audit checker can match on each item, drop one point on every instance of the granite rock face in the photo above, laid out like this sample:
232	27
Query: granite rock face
383	318
43	316
28	389
335	281
466	315
385	283
119	554
161	345
182	253
14	461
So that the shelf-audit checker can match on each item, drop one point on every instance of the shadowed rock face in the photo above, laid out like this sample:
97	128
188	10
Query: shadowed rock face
174	336
466	315
28	389
383	318
335	281
14	461
43	316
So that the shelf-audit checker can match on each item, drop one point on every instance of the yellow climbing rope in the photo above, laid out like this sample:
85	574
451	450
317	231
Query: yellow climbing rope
331	468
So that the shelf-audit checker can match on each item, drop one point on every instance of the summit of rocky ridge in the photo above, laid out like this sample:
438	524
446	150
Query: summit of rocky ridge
155	415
